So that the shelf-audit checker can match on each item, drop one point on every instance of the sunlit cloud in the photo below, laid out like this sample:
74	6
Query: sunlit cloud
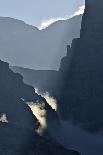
50	100
47	22
40	113
79	11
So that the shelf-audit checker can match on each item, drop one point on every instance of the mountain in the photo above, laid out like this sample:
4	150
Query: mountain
81	72
18	128
24	45
78	85
16	95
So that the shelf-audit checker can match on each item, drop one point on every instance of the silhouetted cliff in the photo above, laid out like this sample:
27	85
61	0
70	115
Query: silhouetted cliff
17	135
81	72
14	89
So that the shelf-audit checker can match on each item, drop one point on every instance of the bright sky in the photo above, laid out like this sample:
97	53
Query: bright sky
37	12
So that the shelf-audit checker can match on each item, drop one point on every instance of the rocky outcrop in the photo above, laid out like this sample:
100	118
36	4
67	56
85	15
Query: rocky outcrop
91	31
82	91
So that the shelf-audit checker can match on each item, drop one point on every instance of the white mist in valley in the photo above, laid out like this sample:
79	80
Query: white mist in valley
50	100
40	112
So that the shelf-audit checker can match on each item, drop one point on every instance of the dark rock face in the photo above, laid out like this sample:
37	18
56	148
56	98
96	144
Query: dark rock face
91	30
18	135
21	141
82	92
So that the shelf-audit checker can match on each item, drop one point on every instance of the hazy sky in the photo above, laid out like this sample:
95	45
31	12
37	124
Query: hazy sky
36	11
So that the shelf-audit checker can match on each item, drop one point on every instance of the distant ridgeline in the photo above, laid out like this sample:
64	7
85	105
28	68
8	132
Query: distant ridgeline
43	49
78	85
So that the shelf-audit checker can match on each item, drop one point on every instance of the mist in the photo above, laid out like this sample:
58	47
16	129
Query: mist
3	118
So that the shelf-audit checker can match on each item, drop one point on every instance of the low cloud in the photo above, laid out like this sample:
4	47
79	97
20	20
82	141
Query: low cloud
40	113
50	100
